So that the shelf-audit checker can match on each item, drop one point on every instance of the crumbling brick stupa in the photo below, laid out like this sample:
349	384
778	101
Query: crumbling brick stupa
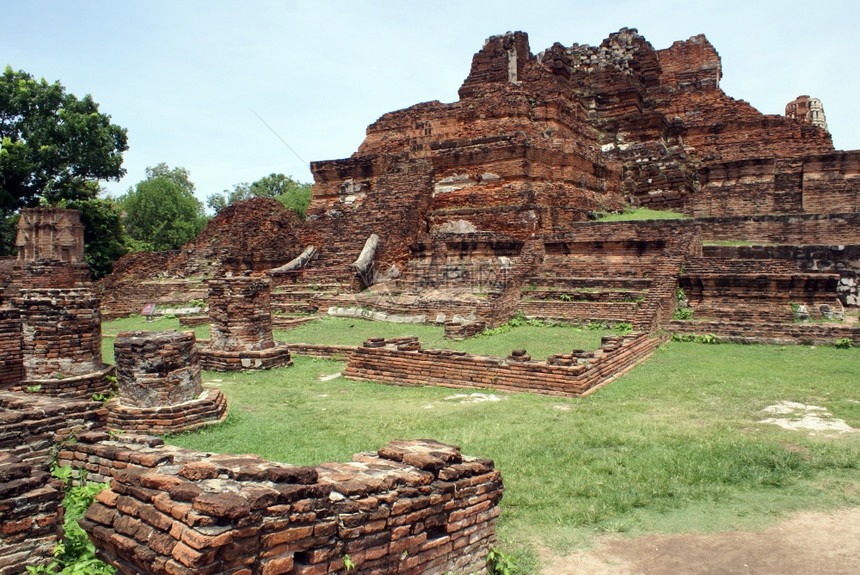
484	207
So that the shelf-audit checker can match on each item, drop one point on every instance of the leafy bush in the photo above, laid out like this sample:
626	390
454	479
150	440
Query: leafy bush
843	343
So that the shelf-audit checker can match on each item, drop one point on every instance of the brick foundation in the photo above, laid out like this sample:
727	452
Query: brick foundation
401	361
208	408
412	507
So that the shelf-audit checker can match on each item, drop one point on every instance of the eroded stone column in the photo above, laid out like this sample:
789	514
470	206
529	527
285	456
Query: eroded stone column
241	327
160	387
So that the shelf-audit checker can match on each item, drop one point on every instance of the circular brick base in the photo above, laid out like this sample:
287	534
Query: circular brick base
219	360
80	386
209	409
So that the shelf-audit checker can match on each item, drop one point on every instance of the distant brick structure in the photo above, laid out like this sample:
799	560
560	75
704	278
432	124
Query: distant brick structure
160	387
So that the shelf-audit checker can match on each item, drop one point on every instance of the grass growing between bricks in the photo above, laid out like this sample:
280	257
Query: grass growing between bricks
675	445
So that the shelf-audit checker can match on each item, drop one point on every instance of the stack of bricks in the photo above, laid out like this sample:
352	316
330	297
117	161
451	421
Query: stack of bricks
53	274
32	424
11	362
61	342
241	327
412	507
30	428
30	515
160	388
401	361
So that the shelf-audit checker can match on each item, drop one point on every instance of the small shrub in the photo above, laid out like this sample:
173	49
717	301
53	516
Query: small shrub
500	564
683	313
843	343
623	328
564	297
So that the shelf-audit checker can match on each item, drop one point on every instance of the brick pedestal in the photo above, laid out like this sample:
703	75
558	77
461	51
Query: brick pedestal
241	327
61	342
160	388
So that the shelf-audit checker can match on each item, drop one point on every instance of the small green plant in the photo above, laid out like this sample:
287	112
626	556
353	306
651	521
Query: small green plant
75	554
101	397
34	388
683	313
680	295
623	328
499	563
347	563
843	343
564	297
595	325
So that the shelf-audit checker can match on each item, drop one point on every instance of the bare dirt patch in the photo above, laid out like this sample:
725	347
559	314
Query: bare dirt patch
807	542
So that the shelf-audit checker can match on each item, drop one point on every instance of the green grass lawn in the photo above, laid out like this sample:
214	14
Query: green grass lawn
642	214
674	445
539	341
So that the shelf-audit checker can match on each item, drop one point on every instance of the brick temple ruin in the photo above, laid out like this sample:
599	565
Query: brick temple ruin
486	207
460	214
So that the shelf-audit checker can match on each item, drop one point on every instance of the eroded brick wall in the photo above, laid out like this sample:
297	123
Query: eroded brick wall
790	229
412	507
402	361
11	361
770	332
31	429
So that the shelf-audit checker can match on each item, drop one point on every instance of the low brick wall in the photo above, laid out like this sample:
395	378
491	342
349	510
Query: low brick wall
31	427
456	331
401	361
771	333
412	507
32	424
322	351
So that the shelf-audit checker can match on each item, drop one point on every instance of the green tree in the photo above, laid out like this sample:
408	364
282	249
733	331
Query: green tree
53	147
293	194
161	212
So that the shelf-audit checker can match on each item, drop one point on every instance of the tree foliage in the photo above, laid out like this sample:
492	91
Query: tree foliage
53	146
161	212
293	194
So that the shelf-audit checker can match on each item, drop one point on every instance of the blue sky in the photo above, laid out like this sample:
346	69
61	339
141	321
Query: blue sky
188	78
